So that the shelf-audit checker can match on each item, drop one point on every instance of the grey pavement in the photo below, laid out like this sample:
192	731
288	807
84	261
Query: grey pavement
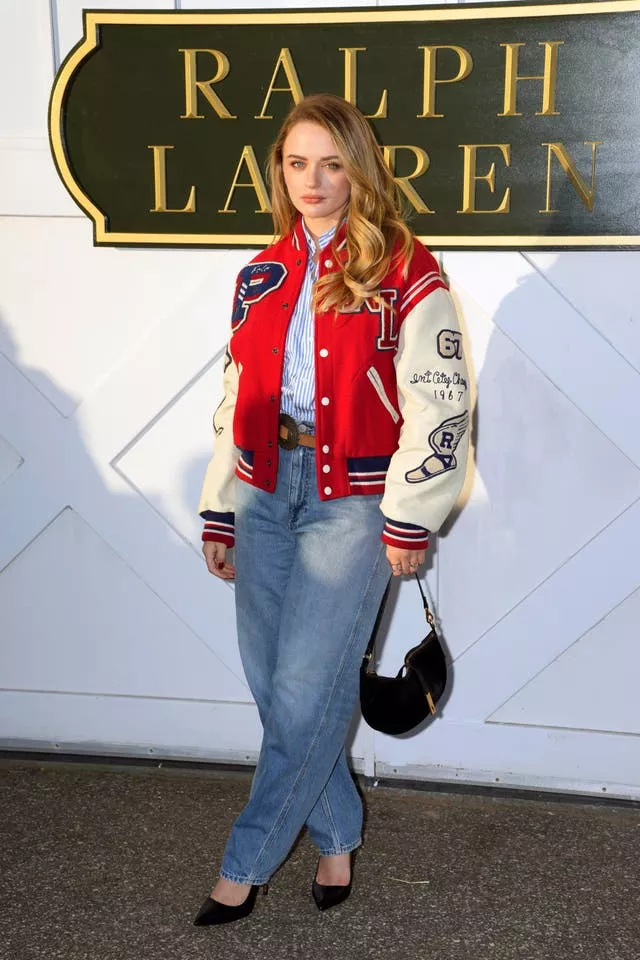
107	862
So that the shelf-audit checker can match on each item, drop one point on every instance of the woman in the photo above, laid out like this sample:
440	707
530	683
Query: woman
340	442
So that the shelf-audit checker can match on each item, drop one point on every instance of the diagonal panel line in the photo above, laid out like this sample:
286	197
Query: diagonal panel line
165	409
554	660
586	319
544	373
26	546
571	400
544	580
138	576
163	600
141	433
17	366
140	493
549	726
65	424
126	696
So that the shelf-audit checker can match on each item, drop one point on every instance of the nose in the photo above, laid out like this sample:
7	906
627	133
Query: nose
312	179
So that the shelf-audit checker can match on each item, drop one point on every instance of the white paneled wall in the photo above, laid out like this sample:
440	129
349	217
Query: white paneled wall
26	64
116	640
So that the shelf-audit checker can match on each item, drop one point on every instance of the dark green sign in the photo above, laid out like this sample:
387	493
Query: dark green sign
506	126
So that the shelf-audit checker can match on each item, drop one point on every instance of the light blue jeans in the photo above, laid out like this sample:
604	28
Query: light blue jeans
310	576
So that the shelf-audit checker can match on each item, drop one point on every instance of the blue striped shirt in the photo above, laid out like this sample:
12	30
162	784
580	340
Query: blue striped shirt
298	376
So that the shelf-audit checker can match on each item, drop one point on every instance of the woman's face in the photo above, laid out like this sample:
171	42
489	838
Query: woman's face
314	176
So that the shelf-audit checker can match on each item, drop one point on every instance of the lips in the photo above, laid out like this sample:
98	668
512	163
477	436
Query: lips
311	199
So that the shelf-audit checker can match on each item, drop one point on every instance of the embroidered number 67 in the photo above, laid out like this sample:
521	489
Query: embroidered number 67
450	344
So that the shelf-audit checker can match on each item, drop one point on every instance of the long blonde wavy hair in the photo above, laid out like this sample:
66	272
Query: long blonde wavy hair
375	227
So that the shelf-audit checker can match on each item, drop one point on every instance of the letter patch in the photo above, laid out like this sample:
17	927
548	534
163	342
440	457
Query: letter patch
443	441
255	281
387	338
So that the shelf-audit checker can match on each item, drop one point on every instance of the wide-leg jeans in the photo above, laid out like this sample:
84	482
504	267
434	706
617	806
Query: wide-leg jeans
310	576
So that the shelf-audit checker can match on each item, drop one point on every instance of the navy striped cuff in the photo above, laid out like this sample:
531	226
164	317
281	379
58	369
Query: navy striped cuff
219	527
405	536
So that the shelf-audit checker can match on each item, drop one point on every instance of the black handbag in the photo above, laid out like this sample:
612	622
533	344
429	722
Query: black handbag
398	704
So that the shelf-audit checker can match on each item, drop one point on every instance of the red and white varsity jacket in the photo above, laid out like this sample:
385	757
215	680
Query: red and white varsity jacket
392	393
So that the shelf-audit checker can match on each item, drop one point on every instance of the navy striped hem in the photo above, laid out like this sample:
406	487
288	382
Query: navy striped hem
244	466
367	474
368	464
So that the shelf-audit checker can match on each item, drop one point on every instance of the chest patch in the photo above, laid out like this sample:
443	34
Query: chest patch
255	281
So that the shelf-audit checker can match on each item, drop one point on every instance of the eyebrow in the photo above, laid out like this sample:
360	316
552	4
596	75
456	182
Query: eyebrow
298	156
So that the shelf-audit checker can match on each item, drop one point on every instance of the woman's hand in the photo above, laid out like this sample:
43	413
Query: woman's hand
404	561
214	554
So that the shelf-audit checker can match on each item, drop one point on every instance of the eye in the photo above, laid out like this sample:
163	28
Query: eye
297	164
334	165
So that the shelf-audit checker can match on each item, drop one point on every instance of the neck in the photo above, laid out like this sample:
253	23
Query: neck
317	226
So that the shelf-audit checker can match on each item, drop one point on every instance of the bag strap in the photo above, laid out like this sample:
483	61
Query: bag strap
427	611
368	654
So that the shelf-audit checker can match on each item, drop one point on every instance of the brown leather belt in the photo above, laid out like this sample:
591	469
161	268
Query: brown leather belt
289	436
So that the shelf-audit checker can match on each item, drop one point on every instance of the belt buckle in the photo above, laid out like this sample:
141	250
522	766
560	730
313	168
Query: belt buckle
293	434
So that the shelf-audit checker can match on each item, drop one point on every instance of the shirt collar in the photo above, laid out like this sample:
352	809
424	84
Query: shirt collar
322	240
298	237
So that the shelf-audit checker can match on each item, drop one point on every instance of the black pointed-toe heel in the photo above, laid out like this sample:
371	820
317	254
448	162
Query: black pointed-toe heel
327	895
213	912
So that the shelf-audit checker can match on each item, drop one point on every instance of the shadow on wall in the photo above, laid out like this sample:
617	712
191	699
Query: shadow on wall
499	534
38	409
127	524
504	384
42	383
555	438
420	628
62	475
94	583
557	430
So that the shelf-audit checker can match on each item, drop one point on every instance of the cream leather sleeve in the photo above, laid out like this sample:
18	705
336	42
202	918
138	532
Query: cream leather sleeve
218	492
427	470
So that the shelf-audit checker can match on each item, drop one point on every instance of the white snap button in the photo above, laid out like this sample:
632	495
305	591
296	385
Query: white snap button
328	490
325	401
324	352
325	448
326	468
328	263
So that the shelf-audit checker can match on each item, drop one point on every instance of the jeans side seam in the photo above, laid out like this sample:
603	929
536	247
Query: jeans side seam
330	818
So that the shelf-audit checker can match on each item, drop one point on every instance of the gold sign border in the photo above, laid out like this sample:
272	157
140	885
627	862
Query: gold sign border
93	19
